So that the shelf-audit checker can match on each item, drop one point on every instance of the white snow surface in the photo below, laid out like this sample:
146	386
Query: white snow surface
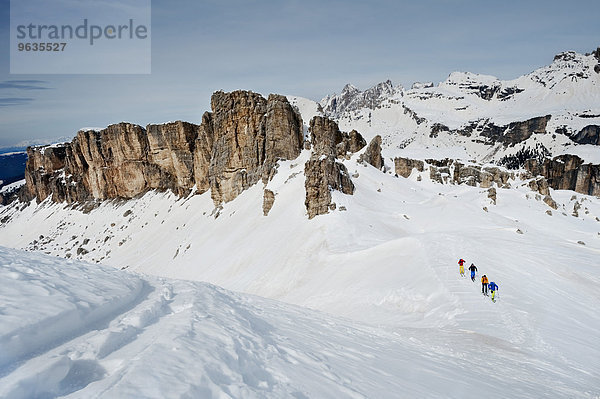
12	186
76	330
390	315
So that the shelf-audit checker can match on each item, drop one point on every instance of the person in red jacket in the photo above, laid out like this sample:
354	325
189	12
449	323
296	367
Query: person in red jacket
461	268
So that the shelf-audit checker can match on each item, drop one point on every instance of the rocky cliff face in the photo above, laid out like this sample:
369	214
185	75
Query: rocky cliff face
511	134
568	172
43	168
125	160
565	172
372	154
404	166
588	135
448	171
322	172
236	145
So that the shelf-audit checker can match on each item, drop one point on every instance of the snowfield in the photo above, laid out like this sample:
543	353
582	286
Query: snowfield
391	316
99	332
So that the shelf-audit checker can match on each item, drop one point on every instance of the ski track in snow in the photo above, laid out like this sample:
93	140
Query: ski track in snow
186	339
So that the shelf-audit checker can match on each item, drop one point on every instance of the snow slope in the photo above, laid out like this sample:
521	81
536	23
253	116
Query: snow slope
100	332
388	260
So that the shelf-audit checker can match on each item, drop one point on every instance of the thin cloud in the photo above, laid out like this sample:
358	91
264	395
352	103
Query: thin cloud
24	84
13	101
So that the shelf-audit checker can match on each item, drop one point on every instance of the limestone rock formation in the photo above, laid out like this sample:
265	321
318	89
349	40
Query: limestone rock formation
324	174
239	140
203	153
250	134
351	142
171	148
404	166
326	138
268	200
456	172
540	185
237	144
117	162
43	173
284	137
516	132
492	194
351	98
567	172
508	135
588	135
372	155
550	202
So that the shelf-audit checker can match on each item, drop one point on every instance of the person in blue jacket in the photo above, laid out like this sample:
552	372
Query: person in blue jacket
493	288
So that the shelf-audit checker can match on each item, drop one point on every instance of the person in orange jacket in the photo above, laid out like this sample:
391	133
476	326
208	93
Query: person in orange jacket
484	285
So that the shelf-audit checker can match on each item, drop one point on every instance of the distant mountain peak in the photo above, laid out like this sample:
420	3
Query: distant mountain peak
351	98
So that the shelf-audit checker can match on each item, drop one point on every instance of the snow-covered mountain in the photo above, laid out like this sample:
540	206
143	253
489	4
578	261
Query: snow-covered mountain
455	118
363	300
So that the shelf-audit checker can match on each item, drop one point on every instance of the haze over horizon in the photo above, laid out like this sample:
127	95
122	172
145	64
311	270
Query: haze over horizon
308	49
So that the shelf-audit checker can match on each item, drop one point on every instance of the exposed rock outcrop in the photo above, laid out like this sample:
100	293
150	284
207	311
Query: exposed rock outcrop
268	200
121	162
44	173
203	153
372	154
404	166
324	136
171	148
567	172
540	185
588	135
237	144
550	202
515	132
327	139
351	142
322	172
492	194
239	134
473	175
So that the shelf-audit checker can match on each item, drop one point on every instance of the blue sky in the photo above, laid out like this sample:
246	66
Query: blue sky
307	48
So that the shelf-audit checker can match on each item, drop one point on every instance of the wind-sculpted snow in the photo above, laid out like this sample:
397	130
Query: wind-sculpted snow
177	339
43	304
